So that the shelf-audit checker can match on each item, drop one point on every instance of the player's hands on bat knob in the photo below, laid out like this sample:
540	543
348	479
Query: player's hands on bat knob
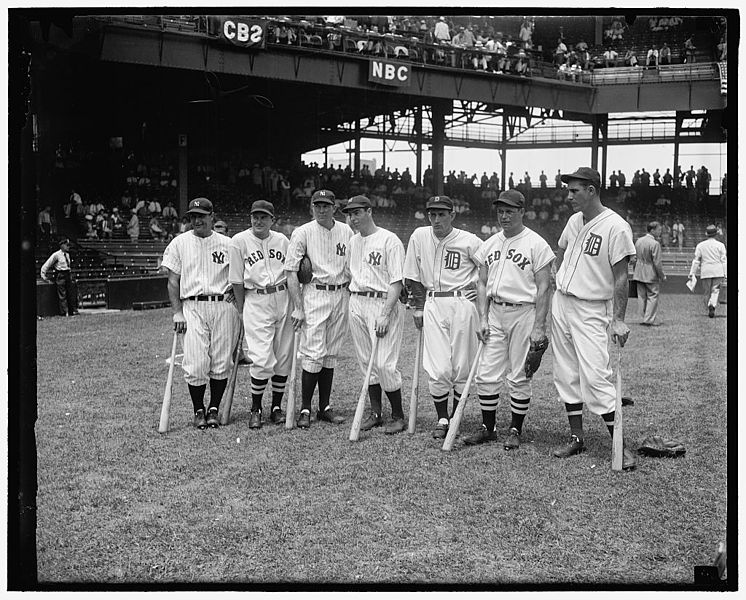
417	316
382	325
180	325
619	332
484	330
298	316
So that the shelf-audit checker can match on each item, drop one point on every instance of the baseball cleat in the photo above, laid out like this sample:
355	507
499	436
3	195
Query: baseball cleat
481	437
212	417
629	461
328	415
440	431
255	420
199	419
277	416
395	426
573	447
513	440
304	420
372	421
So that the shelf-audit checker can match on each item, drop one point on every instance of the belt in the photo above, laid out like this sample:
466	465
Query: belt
331	288
445	294
500	303
271	289
371	294
213	298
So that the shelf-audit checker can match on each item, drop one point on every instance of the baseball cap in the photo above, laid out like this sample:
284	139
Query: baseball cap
711	230
64	241
89	217
115	209
200	205
323	196
264	207
511	198
584	173
356	202
440	202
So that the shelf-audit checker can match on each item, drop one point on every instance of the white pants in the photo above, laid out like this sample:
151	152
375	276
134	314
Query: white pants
363	313
268	333
324	328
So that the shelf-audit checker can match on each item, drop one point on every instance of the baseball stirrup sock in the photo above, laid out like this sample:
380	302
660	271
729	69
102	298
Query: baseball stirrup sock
197	392
397	412
308	385
609	420
374	393
257	393
441	406
217	387
488	404
456	396
278	389
575	417
326	376
518	410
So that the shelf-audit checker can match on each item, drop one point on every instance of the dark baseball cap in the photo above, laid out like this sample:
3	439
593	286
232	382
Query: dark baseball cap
323	196
511	198
64	241
356	202
264	207
443	202
711	230
201	206
584	173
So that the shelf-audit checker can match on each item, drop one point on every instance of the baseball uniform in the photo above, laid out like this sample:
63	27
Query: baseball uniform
259	265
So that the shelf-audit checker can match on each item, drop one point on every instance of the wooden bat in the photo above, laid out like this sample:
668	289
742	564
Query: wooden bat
290	408
166	406
358	420
459	412
617	440
415	386
224	412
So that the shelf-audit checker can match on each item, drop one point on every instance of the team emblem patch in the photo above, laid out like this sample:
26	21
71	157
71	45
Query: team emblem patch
592	244
218	257
374	258
452	260
341	249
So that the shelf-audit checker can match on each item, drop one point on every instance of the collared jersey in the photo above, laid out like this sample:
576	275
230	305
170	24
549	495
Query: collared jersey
376	261
443	265
591	250
257	263
327	249
201	263
512	263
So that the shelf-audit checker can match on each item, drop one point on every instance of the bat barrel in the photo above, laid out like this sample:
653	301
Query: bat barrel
360	409
456	419
166	405
290	407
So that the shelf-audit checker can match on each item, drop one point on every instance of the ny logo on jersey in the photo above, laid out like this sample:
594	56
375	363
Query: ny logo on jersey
452	260
341	249
218	257
374	258
592	245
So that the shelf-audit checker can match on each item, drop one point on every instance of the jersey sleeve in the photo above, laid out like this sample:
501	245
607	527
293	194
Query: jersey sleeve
395	258
481	252
171	257
621	244
411	259
235	257
564	236
296	249
543	254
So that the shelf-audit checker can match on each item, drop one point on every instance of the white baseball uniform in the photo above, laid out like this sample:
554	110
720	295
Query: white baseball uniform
376	261
582	308
445	268
259	264
325	298
511	264
212	323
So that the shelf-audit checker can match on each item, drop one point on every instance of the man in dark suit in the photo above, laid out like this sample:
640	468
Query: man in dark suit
648	273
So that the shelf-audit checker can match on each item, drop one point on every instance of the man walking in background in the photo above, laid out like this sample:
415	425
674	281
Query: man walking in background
648	273
711	263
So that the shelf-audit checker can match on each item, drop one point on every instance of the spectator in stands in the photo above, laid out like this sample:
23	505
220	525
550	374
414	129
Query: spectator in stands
644	178
664	56
526	32
667	178
653	24
723	49
511	184
89	229
610	57
169	212
141	208
44	222
657	177
156	229
690	50
521	65
67	293
105	228
442	31
419	215
185	225
690	177
154	206
133	226
116	223
613	180
558	179
630	58
221	227
560	53
622	179
95	207
678	232
543	180
665	234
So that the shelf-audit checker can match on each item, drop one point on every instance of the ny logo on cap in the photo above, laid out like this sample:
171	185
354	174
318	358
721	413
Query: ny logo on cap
322	193
196	203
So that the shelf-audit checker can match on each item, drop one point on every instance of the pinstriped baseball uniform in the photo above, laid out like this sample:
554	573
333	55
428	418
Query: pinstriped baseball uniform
376	261
582	308
259	264
325	310
511	264
212	327
449	323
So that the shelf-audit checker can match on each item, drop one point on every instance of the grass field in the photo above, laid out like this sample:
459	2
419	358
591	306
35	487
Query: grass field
120	503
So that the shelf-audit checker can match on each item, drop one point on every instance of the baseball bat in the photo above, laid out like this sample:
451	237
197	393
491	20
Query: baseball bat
358	420
166	406
415	386
290	408
459	412
224	412
617	440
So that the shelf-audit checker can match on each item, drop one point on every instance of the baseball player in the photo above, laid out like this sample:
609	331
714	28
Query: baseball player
711	263
257	274
197	264
376	263
320	309
440	267
513	294
592	290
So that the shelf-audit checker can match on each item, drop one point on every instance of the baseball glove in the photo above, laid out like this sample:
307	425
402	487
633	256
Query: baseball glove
533	358
305	270
658	446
